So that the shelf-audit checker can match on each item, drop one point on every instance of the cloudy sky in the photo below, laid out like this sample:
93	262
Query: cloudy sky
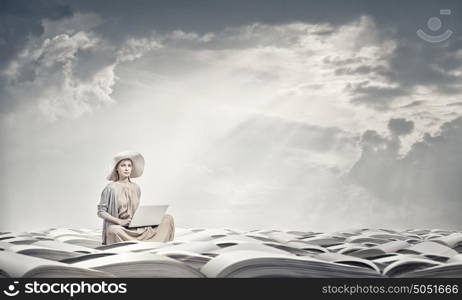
311	115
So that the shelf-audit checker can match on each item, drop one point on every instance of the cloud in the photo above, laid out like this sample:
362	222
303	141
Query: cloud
411	66
356	57
299	71
135	48
21	19
68	75
413	104
425	182
400	126
378	97
246	145
46	72
268	169
455	104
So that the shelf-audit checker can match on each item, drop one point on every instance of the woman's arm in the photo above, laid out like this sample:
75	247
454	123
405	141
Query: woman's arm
103	209
118	221
115	220
111	219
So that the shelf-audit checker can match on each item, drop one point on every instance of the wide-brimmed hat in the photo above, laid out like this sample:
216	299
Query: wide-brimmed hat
137	164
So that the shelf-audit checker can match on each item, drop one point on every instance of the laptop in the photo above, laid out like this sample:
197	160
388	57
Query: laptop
147	215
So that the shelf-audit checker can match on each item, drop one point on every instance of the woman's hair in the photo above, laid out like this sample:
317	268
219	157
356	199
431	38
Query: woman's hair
117	165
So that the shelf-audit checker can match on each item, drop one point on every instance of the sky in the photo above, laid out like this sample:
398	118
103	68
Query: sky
307	115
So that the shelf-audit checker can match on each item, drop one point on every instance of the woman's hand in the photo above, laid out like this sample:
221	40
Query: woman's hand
124	222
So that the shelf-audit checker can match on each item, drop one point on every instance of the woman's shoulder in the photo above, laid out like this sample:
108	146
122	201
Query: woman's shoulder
136	186
113	185
110	186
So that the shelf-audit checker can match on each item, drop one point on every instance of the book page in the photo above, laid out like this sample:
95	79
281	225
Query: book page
136	247
123	258
450	240
250	246
218	264
431	248
65	246
346	259
19	265
405	265
204	235
195	246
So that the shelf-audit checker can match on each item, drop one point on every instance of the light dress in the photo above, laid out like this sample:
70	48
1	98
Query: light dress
127	203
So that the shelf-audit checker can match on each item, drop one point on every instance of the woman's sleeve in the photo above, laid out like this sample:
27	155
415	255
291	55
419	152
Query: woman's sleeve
104	204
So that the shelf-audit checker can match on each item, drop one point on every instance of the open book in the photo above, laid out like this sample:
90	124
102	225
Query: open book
452	268
141	264
422	267
19	265
452	240
377	251
252	263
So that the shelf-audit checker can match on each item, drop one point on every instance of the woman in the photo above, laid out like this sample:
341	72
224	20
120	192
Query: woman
120	199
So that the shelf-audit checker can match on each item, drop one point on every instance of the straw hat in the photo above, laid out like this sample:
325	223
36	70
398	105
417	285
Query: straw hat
137	166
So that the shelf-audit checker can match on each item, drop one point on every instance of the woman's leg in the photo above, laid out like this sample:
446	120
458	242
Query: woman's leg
116	234
165	230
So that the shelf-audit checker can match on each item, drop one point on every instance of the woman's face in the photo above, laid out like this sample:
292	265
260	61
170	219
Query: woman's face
124	168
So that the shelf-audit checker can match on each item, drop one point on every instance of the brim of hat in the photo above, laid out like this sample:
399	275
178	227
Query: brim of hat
137	164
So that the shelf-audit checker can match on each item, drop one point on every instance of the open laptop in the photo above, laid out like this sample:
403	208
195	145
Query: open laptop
147	215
